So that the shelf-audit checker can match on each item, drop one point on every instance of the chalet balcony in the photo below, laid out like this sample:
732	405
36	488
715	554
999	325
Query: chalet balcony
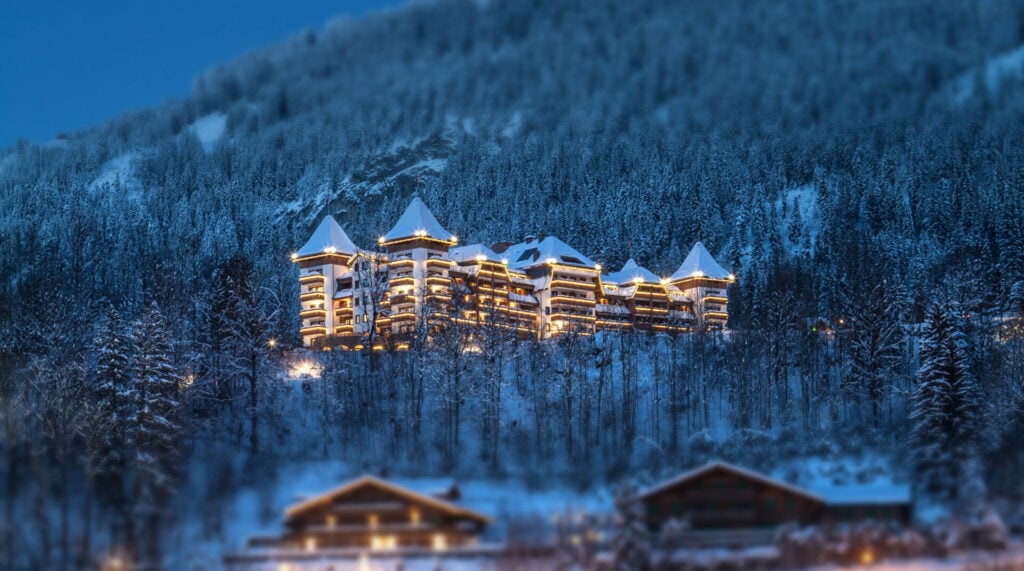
313	312
313	330
557	298
573	284
311	295
312	279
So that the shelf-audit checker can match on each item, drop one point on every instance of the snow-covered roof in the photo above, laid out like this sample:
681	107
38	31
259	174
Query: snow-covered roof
473	252
734	469
328	238
534	253
393	488
417	220
630	273
877	494
700	263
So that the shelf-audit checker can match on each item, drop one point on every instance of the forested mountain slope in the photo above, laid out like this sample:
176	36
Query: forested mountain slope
612	124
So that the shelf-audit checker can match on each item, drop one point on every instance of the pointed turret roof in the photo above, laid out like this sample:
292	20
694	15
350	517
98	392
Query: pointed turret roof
328	238
534	253
632	272
417	220
700	263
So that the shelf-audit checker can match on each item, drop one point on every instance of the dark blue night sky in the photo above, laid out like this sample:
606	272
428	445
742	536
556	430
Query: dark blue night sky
68	65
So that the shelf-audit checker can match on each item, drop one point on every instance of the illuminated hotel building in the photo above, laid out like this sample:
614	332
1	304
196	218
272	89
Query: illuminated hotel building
419	277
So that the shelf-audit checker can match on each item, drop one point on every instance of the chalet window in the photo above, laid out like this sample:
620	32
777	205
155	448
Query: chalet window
372	520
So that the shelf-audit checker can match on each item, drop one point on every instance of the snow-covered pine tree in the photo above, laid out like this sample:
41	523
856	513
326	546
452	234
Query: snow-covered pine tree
110	432
877	335
631	546
156	427
947	415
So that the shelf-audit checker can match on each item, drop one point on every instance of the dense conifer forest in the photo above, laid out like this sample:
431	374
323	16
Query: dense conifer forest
858	164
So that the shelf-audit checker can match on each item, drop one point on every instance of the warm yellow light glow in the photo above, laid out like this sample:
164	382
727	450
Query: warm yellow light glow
295	255
331	520
455	239
330	249
732	277
188	380
697	274
481	258
597	267
414	515
383	542
664	281
304	370
271	342
867	557
439	542
380	239
552	261
310	544
639	279
372	521
504	261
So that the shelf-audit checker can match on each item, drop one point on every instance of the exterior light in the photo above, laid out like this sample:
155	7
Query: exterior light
380	239
504	261
697	274
597	267
552	261
481	258
272	343
732	277
455	239
295	255
330	249
664	281
639	279
867	557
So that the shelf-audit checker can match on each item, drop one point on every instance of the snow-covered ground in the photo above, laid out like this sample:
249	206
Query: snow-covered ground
209	129
119	170
1010	560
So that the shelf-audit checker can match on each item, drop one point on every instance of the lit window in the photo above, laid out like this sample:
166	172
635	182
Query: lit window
414	515
331	521
310	544
439	542
372	520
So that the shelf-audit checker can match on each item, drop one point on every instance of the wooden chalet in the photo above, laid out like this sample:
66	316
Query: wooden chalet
719	495
372	514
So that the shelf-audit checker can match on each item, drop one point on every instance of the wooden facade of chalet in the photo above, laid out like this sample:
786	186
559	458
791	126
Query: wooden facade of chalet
372	514
723	496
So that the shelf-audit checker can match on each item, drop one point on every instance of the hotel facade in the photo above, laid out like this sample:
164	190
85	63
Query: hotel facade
419	278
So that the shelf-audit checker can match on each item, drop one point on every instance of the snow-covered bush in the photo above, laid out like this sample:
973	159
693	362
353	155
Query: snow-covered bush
988	531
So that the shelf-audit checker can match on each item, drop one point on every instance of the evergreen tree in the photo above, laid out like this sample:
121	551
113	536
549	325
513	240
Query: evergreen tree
946	411
875	345
156	426
110	432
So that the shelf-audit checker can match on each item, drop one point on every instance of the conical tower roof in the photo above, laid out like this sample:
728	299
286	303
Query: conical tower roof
700	263
417	220
328	238
632	272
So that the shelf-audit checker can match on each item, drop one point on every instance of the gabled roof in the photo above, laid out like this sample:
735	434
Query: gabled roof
534	253
700	263
417	220
473	252
367	480
732	469
632	272
328	238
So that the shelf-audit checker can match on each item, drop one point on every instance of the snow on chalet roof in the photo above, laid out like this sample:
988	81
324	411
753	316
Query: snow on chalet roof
534	253
869	494
473	252
328	238
700	263
417	220
725	466
632	272
379	483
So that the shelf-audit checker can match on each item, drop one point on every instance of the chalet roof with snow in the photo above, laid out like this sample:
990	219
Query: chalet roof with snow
337	494
700	263
417	220
692	475
534	253
328	238
631	273
472	253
